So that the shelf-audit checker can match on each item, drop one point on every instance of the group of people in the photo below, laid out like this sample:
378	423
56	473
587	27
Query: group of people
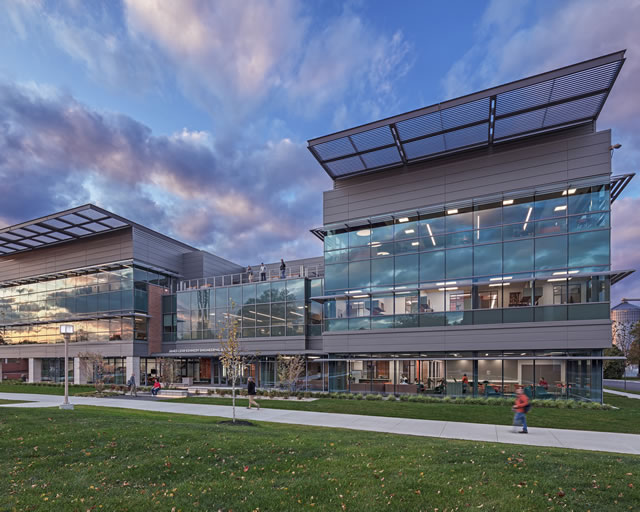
133	389
263	271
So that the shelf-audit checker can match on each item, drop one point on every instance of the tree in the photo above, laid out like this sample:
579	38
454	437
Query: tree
613	369
623	337
231	354
634	351
168	372
92	364
290	368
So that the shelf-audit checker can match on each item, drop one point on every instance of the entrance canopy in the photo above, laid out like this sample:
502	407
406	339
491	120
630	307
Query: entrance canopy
566	97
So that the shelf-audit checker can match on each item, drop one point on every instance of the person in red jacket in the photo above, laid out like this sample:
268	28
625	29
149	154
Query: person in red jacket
156	387
521	407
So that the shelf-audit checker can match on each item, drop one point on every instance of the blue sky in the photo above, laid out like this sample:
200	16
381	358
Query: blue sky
192	117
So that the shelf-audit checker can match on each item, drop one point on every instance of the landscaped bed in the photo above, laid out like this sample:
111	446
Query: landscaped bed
113	459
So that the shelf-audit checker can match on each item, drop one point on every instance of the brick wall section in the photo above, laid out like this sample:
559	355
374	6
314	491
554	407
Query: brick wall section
155	322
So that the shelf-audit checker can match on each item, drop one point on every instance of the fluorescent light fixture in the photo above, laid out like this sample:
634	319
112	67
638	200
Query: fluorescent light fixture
360	297
495	279
478	227
433	240
409	231
383	253
560	208
450	289
499	284
403	219
452	212
374	244
558	279
526	221
574	272
571	191
559	274
415	243
506	278
299	307
355	291
446	283
507	202
363	232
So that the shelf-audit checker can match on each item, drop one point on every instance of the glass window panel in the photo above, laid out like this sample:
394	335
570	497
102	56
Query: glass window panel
235	296
460	221
459	318
589	249
382	271
550	313
432	224
406	269
550	205
248	332
278	291
359	324
518	294
361	236
336	240
550	291
222	295
380	250
518	256
279	331
551	252
336	256
316	287
459	238
381	305
263	315
359	274
487	259
403	321
408	246
114	301
248	316
277	313
359	253
103	302
295	289
518	315
295	312
262	332
382	233
459	262
336	277
598	289
406	304
489	296
432	266
458	298
589	199
406	230
588	222
334	325
432	319
263	292
358	307
249	294
487	215
487	316
588	311
432	300
382	322
488	235
550	227
295	330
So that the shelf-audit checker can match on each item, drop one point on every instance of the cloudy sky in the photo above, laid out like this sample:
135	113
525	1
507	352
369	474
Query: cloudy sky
192	117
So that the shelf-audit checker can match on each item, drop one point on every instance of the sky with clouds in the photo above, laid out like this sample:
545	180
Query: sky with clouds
192	117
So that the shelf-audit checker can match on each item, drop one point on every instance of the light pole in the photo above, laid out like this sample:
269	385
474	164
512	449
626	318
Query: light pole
66	331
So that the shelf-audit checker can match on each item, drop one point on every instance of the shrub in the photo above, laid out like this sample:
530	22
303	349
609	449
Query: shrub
404	398
359	396
307	394
374	397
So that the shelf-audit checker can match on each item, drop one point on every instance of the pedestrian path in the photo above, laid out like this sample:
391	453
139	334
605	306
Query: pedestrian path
558	438
622	393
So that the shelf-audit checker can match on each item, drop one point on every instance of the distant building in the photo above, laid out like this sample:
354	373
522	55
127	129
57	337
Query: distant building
625	313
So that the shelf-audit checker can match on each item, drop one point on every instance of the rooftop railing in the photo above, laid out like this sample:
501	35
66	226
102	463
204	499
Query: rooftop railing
273	274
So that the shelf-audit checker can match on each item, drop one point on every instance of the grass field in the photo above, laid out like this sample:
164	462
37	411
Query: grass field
625	419
43	390
627	391
5	402
110	459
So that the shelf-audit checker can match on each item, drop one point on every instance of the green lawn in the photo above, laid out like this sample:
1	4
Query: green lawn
43	390
627	391
112	459
625	419
5	402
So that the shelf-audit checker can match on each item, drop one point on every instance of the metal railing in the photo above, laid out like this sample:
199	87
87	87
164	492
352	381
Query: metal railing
291	272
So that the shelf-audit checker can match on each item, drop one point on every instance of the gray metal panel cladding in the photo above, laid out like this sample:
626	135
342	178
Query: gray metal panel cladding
592	334
570	155
158	250
107	349
95	250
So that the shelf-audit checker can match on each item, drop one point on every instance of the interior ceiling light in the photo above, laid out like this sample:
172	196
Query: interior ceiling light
452	212
571	191
574	272
415	243
363	232
409	231
507	202
403	219
499	284
383	253
560	208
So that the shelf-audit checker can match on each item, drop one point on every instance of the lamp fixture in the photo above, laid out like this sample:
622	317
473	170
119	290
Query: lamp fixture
507	202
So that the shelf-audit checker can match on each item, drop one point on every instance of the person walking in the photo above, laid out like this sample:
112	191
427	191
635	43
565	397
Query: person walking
283	268
521	408
250	272
132	385
251	392
263	272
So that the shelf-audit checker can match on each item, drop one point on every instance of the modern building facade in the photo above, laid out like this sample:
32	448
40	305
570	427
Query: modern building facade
466	253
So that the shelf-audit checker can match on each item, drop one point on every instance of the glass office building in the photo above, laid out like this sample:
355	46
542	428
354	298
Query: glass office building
466	252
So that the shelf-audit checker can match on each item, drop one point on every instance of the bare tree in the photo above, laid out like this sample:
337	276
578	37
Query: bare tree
290	368
231	354
623	337
92	363
634	350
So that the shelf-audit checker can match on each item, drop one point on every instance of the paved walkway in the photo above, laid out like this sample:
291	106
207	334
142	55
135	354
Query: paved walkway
558	438
622	393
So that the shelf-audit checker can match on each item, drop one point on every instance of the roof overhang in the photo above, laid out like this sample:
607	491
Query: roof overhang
566	97
81	222
618	184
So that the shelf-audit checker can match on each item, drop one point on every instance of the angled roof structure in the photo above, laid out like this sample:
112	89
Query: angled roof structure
569	96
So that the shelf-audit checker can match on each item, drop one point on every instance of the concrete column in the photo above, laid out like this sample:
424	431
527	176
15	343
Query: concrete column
0	370
79	373
133	368
35	370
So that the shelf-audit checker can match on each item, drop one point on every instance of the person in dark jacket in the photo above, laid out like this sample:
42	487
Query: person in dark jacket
283	267
251	391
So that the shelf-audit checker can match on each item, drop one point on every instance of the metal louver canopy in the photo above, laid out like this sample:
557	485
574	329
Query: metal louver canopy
562	98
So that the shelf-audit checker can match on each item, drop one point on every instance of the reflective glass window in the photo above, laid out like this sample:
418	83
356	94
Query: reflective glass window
359	274
381	271
550	205
489	296
336	277
517	210
551	226
408	246
459	238
381	305
589	249
359	306
406	303
550	291
598	289
483	236
460	221
432	224
382	233
249	293
263	315
458	298
406	268
336	256
263	292
405	230
432	300
277	313
359	253
551	252
184	301
222	295
295	289
487	215
518	256
336	240
589	199
360	236
295	312
335	308
235	295
459	262
487	259
517	294
588	222
380	250
278	291
248	316
432	266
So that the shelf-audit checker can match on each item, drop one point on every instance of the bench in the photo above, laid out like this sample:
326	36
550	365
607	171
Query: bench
175	393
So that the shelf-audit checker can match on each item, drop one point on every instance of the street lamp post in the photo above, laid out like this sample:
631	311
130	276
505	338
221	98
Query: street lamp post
66	331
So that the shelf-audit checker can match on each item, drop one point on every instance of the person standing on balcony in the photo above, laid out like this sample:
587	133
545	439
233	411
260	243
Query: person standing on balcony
283	268
263	272
250	273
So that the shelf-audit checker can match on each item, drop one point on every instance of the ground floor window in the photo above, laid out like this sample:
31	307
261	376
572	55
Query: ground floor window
52	369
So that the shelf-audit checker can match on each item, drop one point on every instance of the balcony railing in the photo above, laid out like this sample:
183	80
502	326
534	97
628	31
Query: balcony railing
291	272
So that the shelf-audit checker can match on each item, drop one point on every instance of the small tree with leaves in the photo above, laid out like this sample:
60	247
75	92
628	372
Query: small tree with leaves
623	337
92	364
290	368
231	354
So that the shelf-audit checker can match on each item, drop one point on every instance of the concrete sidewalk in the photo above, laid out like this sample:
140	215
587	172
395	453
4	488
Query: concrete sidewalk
622	393
557	438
